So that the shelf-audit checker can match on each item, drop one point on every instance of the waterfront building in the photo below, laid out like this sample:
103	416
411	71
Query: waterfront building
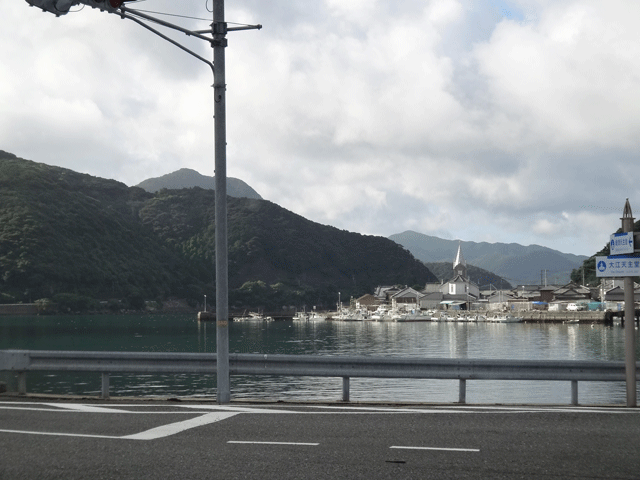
368	301
459	292
407	299
571	293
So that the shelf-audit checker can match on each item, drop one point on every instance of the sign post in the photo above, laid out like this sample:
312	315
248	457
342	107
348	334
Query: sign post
624	262
629	318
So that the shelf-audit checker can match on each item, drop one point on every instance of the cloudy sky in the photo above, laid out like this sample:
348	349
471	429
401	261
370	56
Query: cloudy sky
480	120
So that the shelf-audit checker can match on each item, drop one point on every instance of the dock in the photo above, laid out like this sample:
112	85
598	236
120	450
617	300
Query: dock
535	316
210	316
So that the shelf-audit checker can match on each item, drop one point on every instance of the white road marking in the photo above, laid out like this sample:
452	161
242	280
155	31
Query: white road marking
274	443
56	434
438	448
173	428
151	434
3	407
239	409
302	409
478	409
80	407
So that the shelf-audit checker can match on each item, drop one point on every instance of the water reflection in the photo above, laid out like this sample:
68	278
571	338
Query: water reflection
427	340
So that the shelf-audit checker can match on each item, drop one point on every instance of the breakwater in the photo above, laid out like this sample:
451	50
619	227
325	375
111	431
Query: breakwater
533	316
565	317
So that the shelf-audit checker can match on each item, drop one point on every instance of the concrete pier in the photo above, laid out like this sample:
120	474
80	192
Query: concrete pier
566	317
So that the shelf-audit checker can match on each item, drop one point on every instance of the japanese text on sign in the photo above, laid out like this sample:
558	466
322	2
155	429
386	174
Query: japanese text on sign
618	266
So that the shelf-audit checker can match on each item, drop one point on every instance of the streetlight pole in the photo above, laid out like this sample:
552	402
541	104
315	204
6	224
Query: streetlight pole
218	41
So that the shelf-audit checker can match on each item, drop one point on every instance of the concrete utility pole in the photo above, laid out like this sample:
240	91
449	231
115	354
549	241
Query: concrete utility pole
629	319
219	29
218	41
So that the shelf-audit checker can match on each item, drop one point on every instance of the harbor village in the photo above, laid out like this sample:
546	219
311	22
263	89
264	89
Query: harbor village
460	299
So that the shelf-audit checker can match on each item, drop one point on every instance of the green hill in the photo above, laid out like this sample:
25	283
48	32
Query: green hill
62	232
484	279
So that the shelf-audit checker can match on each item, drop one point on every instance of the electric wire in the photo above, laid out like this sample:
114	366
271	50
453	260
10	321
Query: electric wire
169	14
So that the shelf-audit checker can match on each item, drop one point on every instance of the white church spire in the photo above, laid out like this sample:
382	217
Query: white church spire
459	258
460	264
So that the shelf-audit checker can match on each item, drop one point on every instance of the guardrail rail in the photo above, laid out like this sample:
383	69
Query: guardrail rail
574	371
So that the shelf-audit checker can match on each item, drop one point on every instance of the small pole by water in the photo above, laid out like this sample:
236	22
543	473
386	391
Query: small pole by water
345	389
462	391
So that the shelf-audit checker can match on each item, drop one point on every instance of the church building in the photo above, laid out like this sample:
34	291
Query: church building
459	292
460	285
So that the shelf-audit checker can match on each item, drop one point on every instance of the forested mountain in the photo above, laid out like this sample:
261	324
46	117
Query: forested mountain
187	178
62	232
484	279
515	263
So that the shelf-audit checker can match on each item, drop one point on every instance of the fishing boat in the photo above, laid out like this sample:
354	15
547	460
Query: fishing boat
253	317
504	318
308	317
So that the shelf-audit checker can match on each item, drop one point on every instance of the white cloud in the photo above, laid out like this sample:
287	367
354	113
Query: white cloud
444	11
569	81
452	118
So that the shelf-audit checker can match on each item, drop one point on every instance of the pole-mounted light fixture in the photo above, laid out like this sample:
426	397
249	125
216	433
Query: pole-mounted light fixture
216	37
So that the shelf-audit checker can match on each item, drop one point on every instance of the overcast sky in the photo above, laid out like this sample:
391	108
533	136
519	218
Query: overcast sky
479	120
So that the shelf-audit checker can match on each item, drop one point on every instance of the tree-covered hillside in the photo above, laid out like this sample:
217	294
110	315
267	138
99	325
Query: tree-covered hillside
484	279
271	246
62	232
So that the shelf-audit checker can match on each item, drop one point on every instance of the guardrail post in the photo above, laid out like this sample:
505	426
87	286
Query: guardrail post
345	389
574	392
462	396
22	383
105	385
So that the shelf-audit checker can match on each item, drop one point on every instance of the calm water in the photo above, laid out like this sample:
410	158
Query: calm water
182	333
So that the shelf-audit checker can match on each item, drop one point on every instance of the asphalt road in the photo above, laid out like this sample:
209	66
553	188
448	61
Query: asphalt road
157	440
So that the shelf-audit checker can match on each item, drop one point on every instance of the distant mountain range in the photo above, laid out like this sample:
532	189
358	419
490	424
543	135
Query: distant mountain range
517	264
187	178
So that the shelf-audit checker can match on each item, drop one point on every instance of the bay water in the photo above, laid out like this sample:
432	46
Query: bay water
182	333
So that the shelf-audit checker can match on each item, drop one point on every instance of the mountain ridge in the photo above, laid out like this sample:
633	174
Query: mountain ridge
188	178
517	264
72	234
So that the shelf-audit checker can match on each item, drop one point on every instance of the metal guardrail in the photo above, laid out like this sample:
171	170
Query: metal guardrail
23	361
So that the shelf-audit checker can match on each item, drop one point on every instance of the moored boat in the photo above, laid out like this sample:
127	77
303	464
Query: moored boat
253	317
308	317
